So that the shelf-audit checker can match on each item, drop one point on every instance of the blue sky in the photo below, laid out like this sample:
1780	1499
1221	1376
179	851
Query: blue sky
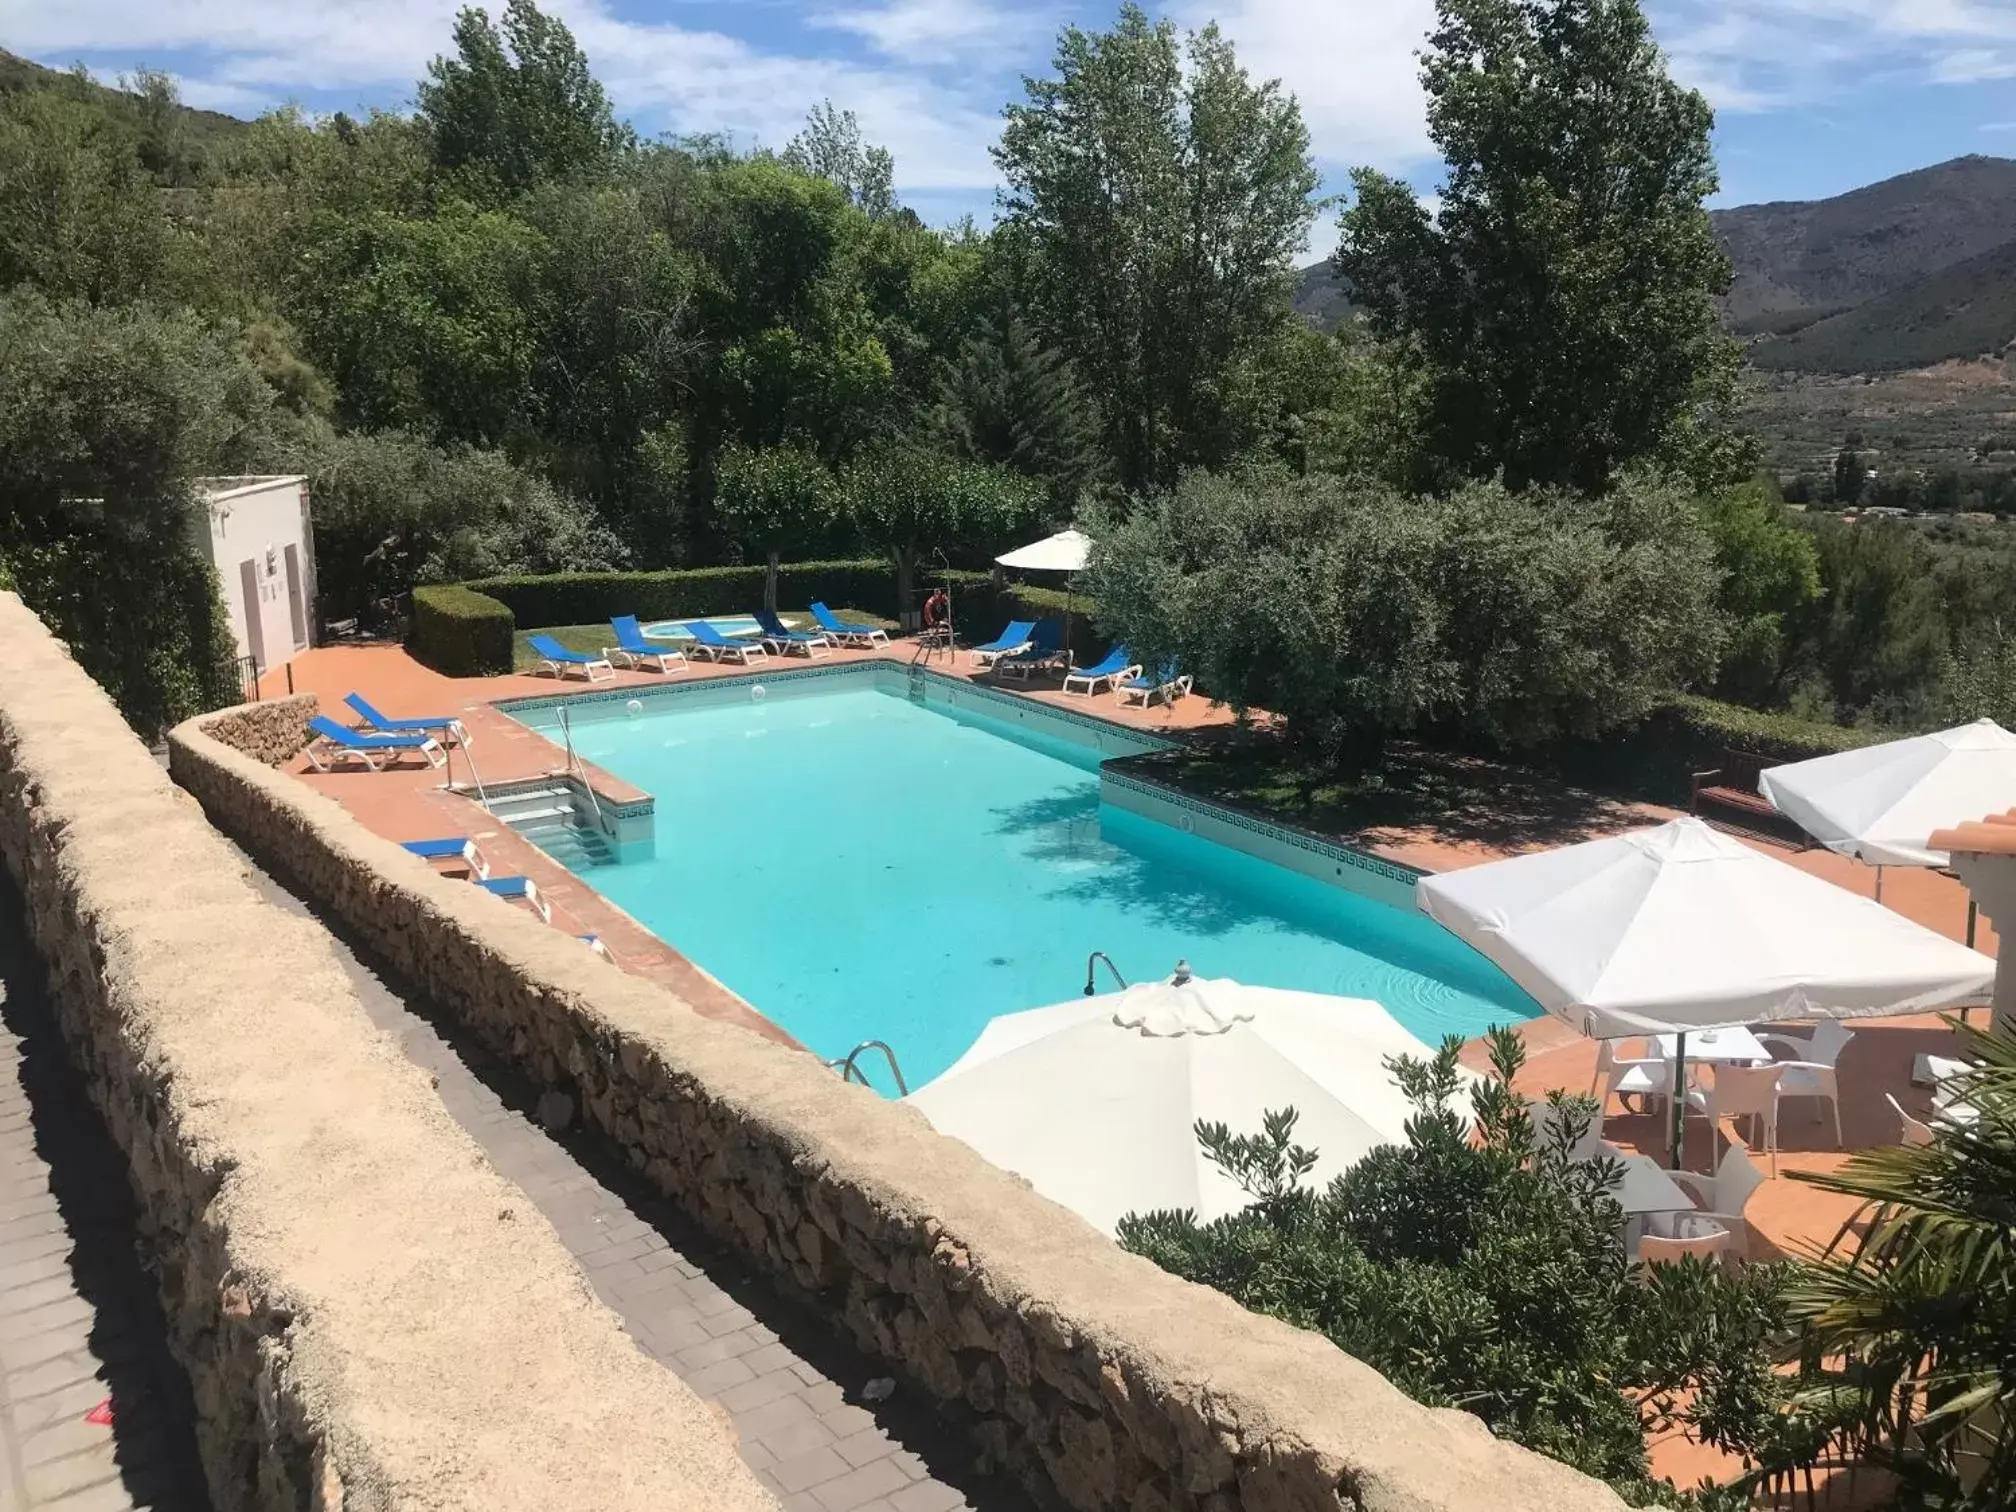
1812	96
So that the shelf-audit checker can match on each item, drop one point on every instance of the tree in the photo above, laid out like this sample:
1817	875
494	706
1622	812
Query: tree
1154	209
1008	400
518	106
830	147
1910	1313
1872	643
907	500
1770	570
1562	296
78	215
1352	611
107	415
1851	474
1478	1265
780	499
426	325
393	510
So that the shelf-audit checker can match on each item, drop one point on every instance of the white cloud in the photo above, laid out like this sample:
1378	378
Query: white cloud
945	31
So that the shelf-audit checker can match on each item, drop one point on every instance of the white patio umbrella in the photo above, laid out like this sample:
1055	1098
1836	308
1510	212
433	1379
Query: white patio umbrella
1066	551
1680	927
1881	804
1095	1100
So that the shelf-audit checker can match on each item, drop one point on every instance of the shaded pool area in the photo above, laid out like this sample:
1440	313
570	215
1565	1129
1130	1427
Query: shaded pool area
865	856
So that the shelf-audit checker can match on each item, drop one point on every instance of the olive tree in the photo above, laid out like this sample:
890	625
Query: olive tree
779	499
1352	611
907	501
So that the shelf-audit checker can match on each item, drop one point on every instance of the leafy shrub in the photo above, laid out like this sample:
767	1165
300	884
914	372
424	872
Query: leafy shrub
459	631
584	598
1353	611
1478	1266
391	509
1686	734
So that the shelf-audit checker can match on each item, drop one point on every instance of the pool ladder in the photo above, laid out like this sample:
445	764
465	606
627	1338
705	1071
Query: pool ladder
849	1071
1092	961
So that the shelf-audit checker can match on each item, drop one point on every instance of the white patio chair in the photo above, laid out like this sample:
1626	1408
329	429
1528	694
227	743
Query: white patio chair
1724	1196
1686	1234
1910	1131
1749	1092
1810	1070
1646	1076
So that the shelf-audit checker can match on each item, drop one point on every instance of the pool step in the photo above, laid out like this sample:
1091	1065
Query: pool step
573	845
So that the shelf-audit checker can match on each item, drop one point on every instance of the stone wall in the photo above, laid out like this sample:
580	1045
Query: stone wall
1087	1372
370	1316
271	730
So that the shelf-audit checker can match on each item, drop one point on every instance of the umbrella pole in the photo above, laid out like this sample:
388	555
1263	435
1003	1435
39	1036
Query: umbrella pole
1973	913
1879	884
1679	1097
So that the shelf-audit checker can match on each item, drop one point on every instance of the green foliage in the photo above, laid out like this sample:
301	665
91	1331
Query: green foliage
517	105
78	215
459	631
830	147
106	417
1155	198
392	510
424	324
1562	296
584	598
1355	612
1910	1315
1478	1266
1770	569
1851	474
1008	400
1979	681
1872	645
782	499
907	500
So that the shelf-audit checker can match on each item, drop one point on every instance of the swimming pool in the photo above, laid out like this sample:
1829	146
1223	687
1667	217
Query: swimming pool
863	856
743	625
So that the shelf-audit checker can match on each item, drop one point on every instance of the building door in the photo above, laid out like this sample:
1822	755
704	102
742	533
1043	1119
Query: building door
297	611
248	590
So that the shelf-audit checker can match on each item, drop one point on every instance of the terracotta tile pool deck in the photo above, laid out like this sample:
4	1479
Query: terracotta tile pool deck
410	803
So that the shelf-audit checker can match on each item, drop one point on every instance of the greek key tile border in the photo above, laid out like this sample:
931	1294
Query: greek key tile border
886	672
1330	850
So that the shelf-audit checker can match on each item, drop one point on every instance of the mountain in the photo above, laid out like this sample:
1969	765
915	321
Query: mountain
1912	271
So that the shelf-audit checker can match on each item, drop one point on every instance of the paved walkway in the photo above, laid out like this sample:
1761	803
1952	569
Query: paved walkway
795	1397
79	1320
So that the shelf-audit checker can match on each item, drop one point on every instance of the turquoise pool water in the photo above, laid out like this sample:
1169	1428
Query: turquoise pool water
726	624
861	866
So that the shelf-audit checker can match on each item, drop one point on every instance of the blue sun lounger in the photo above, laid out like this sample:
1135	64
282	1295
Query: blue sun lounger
559	659
1044	653
385	724
518	888
1168	685
712	644
451	848
334	744
1114	670
781	638
844	633
1011	640
635	648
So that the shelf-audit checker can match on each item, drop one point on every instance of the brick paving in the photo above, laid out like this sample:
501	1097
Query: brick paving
79	1321
792	1392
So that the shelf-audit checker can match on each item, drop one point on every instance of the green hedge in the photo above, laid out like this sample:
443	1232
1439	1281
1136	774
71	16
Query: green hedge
459	631
1688	734
588	598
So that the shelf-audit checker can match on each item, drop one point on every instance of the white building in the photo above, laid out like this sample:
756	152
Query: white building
257	536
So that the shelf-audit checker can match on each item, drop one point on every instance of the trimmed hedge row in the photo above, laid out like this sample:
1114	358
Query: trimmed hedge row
459	631
1688	734
589	598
